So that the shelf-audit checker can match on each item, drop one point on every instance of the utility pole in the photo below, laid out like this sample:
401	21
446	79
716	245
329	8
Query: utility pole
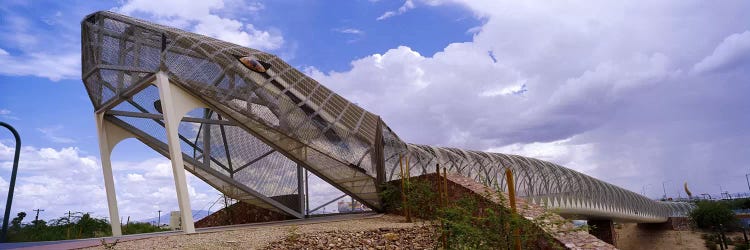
664	188
158	224
37	213
748	181
645	187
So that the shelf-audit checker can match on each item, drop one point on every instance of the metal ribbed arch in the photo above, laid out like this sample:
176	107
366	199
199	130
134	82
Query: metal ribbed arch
569	192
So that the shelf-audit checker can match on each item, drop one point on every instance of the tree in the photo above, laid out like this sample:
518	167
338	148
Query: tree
709	215
16	222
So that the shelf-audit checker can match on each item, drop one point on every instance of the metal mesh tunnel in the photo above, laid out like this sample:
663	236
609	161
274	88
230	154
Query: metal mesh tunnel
260	128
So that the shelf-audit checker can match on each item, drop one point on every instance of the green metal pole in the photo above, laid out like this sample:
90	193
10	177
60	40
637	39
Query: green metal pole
12	180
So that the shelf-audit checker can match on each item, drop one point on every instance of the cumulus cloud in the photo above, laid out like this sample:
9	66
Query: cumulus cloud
65	179
202	18
564	152
732	52
599	88
135	177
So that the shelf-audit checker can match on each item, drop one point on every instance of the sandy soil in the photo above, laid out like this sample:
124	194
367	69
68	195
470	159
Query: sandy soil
629	236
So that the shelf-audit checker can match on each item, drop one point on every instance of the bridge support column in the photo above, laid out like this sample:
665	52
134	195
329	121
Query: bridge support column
603	229
175	103
109	135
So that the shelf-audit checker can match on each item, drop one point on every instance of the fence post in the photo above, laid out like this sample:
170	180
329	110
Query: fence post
512	199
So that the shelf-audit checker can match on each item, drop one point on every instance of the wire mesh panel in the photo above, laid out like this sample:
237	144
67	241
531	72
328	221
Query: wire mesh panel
280	109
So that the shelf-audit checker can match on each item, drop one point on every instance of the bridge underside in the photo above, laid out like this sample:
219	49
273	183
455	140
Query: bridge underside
253	131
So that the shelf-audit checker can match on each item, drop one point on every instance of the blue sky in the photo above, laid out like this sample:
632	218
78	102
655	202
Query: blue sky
633	94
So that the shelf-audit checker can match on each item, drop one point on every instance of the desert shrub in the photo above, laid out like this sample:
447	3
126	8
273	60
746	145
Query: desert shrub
76	226
472	221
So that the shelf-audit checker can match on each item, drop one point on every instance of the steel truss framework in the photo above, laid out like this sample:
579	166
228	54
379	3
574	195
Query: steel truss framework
256	132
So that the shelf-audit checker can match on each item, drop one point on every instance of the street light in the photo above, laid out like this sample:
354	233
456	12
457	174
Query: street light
12	179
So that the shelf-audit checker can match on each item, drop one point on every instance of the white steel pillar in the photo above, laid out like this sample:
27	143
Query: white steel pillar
175	103
109	136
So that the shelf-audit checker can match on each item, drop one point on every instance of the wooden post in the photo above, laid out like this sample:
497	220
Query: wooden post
512	199
406	181
441	198
403	193
445	187
439	186
446	196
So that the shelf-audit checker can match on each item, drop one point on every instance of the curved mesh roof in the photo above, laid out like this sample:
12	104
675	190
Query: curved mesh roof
262	125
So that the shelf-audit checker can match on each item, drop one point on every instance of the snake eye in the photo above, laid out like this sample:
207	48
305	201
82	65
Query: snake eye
255	65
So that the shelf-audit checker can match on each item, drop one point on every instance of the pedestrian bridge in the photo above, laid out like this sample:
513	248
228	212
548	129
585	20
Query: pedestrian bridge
249	124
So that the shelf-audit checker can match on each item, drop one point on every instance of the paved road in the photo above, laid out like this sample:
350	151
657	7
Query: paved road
81	243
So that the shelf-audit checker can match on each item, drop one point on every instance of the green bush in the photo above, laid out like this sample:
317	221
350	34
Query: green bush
710	215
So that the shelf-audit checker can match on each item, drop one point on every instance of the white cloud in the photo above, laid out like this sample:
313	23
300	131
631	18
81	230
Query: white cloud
135	177
234	31
52	65
6	114
733	50
408	5
23	53
172	8
61	180
350	31
609	75
509	90
26	54
53	134
563	152
201	18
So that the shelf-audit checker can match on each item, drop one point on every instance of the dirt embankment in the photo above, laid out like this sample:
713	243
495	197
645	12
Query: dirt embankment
630	236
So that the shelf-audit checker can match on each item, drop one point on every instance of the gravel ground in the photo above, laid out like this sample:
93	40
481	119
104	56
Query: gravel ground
421	237
261	237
